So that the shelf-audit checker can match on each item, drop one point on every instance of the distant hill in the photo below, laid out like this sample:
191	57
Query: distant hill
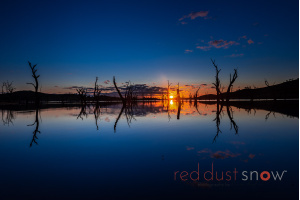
286	90
29	96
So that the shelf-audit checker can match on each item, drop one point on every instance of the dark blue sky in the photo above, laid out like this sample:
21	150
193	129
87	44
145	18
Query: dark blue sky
148	41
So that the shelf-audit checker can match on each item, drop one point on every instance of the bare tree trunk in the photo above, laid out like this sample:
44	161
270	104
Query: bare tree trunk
217	84
122	98
234	77
36	85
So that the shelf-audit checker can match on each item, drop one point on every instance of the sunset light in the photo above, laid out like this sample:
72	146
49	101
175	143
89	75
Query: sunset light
171	97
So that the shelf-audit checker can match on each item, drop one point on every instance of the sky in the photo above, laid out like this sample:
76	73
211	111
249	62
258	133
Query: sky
148	42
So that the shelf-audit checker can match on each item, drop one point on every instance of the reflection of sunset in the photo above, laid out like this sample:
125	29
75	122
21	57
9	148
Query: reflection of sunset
171	102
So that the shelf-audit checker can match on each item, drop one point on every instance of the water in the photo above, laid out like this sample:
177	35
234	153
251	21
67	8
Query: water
75	153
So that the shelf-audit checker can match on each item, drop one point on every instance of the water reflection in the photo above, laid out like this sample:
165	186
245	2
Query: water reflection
155	138
37	125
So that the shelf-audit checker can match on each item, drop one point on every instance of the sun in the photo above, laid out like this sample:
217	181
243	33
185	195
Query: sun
171	97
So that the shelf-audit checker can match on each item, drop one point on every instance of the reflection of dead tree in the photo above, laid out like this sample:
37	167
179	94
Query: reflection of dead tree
129	114
97	92
168	111
36	130
97	113
232	122
178	110
36	84
118	118
7	117
82	92
196	96
82	112
217	84
218	121
268	115
232	80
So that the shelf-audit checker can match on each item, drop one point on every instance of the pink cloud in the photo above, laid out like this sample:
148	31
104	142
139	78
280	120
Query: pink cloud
189	148
235	55
223	155
250	41
243	37
194	15
188	51
222	43
251	156
107	81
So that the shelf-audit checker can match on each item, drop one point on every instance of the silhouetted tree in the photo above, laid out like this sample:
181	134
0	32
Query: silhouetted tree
82	92
232	80
178	93
36	84
121	96
7	87
217	83
168	91
97	92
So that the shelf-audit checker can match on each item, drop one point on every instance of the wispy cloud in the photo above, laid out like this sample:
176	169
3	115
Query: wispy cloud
194	15
188	51
235	55
218	44
250	41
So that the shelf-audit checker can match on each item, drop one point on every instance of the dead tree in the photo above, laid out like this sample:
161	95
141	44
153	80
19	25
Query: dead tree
97	92
7	87
122	98
217	83
168	92
178	93
36	84
230	86
196	95
82	92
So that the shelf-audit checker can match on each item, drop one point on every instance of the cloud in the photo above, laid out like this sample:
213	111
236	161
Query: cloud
243	37
194	15
235	55
223	155
251	156
218	44
250	41
219	154
107	81
222	43
188	51
189	148
204	48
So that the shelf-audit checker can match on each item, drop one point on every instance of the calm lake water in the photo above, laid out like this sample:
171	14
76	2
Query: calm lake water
82	153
